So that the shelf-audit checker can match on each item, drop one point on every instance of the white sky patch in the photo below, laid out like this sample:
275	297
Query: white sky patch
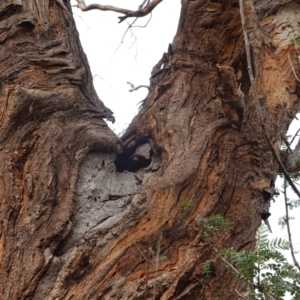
116	59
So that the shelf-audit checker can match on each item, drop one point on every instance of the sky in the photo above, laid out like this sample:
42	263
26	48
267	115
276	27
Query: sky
117	56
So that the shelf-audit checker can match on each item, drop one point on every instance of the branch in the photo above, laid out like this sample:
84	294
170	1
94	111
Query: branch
148	263
287	221
156	263
135	88
257	105
296	134
140	251
294	72
292	165
241	295
294	169
141	12
288	145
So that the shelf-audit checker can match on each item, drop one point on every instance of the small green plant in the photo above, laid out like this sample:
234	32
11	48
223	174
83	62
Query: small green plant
265	269
183	203
206	268
296	41
163	258
212	224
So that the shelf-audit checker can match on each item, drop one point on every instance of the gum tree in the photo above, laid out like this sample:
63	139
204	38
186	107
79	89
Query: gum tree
86	215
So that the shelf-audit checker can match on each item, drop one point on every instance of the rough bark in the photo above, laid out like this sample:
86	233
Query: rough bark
81	211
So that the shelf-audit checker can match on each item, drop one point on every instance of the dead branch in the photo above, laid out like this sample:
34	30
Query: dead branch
241	295
293	157
296	134
288	145
293	169
135	88
287	221
156	263
141	12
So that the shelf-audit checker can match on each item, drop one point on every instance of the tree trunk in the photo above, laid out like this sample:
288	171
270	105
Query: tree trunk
87	216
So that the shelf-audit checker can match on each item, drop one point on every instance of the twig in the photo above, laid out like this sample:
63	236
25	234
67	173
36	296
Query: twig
188	225
135	88
156	263
287	144
130	26
148	263
143	26
122	40
137	247
140	86
288	226
293	164
257	105
294	137
297	78
201	281
241	295
141	12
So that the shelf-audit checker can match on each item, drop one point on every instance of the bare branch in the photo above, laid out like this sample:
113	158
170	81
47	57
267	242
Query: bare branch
141	12
256	102
241	295
287	221
295	75
288	145
294	169
140	86
140	251
156	263
142	26
293	158
135	88
130	26
296	134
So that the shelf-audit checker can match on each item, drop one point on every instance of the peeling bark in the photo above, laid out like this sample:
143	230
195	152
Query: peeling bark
81	210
